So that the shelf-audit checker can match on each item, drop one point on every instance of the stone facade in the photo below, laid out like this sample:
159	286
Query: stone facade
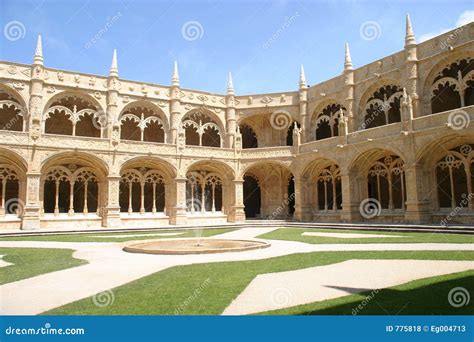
387	142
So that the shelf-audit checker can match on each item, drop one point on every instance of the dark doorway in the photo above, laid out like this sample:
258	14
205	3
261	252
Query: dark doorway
252	200
291	196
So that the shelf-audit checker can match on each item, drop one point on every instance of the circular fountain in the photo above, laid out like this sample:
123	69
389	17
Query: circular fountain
193	246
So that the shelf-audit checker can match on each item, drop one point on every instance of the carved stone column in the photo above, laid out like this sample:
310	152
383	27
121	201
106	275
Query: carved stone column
351	185
237	213
417	206
178	211
298	215
31	209
111	214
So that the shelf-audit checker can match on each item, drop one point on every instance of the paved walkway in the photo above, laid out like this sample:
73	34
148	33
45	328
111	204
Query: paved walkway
110	267
274	291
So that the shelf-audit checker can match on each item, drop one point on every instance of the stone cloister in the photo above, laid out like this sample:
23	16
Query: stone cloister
95	151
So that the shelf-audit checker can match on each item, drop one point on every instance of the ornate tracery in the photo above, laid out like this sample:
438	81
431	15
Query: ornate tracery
386	182
142	190
454	173
203	192
383	107
453	87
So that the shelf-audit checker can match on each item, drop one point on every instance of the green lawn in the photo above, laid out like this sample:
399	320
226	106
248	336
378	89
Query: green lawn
30	262
95	237
294	234
207	289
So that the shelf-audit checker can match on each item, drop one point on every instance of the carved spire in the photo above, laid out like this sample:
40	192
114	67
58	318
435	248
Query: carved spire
302	78
230	85
347	58
175	79
39	52
114	66
409	35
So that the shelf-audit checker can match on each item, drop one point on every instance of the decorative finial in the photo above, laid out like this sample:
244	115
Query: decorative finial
175	79
409	35
302	78
347	58
39	52
230	85
114	65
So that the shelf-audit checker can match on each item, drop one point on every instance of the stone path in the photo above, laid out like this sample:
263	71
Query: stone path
274	291
4	263
350	235
110	267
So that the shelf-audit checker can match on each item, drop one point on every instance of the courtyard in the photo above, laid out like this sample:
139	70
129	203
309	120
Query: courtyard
304	271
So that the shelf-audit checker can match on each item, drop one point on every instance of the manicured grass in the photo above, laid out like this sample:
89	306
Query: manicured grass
30	262
427	296
95	237
294	234
207	289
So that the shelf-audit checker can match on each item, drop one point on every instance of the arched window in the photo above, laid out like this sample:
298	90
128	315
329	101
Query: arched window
203	192
72	115
140	123
142	190
455	177
386	182
249	138
326	123
201	130
383	107
328	192
11	113
70	189
453	87
9	182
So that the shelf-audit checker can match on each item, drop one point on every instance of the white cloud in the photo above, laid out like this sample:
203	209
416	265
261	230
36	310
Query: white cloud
465	18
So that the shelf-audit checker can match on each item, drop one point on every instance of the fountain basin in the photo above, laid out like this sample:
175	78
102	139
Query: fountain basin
194	246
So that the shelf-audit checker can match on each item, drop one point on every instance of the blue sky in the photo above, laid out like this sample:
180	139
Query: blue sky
263	43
